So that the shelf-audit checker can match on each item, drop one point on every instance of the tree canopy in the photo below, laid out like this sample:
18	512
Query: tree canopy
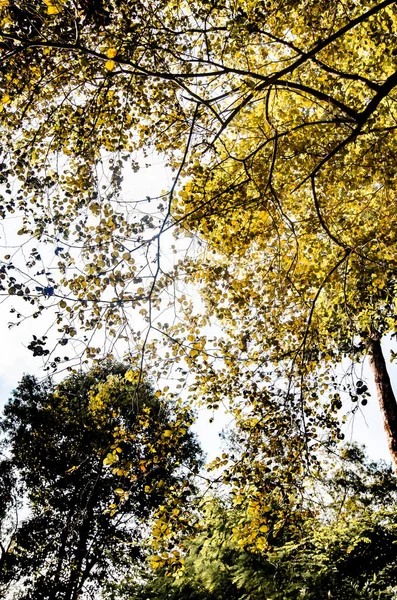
277	119
95	459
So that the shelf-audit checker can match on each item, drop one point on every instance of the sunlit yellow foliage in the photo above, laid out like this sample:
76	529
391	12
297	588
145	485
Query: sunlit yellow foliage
278	120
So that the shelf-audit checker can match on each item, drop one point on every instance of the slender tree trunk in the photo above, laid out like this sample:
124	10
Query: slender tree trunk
76	580
386	397
62	552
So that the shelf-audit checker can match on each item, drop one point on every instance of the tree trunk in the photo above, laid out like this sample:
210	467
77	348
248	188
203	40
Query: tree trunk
386	397
81	552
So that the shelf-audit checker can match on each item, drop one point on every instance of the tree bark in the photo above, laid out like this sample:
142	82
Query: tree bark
386	397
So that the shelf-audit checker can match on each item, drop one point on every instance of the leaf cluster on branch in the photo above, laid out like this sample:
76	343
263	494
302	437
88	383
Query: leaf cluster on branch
340	543
278	121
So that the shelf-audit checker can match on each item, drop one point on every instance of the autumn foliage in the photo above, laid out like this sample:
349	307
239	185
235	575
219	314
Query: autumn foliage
268	263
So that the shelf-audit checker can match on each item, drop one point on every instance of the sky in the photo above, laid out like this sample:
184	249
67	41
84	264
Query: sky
365	426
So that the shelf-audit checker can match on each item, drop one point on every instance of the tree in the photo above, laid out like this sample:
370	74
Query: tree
287	290
279	116
295	207
10	505
97	456
342	546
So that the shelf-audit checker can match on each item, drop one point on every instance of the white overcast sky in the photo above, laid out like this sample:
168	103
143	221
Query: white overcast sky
15	359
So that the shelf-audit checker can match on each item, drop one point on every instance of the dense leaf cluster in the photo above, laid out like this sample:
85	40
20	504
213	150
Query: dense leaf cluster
93	466
342	548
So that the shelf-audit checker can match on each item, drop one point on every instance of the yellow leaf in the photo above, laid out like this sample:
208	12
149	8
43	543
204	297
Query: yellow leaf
109	65
53	10
131	376
111	53
110	459
72	469
156	562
